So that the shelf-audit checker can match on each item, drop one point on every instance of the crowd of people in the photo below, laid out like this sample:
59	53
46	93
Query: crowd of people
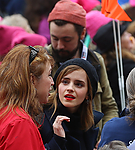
56	92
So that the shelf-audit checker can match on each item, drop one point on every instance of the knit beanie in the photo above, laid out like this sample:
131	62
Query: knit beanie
94	20
104	37
68	11
86	66
22	37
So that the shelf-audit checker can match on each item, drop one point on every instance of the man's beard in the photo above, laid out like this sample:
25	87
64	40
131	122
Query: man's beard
63	58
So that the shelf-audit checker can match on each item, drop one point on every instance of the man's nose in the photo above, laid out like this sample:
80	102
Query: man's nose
60	45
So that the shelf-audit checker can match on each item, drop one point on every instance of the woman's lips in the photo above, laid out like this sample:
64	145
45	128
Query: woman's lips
69	97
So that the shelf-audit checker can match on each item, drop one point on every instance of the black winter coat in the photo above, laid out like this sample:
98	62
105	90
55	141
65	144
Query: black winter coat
73	133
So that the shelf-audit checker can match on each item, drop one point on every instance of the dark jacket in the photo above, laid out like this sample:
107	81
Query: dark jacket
73	134
128	65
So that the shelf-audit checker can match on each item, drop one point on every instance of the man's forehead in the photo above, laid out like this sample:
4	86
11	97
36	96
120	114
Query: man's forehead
66	30
67	25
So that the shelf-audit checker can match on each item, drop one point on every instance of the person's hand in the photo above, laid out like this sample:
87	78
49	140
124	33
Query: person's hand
57	127
96	146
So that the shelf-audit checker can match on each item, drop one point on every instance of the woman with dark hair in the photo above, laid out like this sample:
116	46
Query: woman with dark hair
70	120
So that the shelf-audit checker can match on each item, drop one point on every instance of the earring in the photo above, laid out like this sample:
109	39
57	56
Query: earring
87	101
57	95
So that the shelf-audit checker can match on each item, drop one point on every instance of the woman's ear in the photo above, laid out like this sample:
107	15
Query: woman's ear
32	78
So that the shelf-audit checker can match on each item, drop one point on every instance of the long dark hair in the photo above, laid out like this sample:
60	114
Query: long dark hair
86	108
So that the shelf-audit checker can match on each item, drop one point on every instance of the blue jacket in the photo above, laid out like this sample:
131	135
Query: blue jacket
54	142
121	129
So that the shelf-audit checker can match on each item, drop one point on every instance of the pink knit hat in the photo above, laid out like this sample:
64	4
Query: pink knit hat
132	3
11	36
94	20
68	11
88	5
27	39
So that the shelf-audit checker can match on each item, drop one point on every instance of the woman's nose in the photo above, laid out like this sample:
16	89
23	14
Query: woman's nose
70	87
52	82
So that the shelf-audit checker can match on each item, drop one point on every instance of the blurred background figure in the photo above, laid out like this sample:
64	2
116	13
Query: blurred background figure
18	31
123	128
36	13
17	20
104	39
10	7
12	35
131	28
94	20
130	9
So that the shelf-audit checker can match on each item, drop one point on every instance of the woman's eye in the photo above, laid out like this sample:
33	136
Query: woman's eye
64	81
79	84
